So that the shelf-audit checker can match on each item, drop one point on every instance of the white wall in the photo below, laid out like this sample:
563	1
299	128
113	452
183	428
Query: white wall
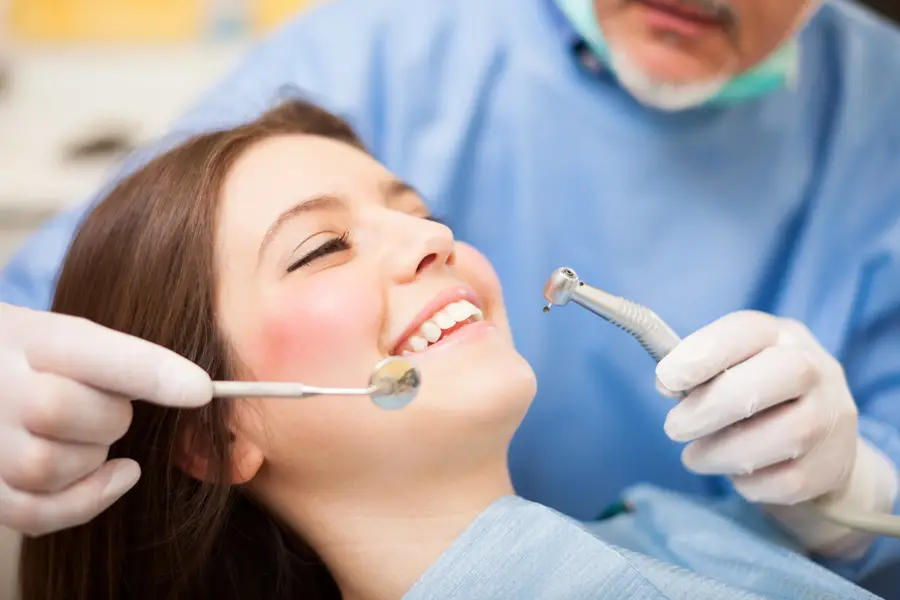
59	95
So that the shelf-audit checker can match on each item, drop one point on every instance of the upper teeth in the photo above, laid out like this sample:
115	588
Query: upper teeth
431	330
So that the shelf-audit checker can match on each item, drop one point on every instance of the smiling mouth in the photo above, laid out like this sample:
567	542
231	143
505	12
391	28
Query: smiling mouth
441	325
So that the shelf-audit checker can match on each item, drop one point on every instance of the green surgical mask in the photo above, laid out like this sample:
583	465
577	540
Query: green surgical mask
775	74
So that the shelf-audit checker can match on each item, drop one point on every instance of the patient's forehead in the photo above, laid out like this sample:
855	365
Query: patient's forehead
281	171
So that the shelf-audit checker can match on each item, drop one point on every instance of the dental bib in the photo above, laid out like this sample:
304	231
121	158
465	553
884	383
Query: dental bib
776	73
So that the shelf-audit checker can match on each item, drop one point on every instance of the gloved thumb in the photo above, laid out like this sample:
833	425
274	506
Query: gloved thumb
179	383
113	361
663	390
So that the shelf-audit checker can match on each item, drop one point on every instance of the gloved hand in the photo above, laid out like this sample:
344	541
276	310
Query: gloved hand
771	409
64	399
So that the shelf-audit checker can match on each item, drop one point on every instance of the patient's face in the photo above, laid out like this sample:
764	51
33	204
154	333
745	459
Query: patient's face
329	264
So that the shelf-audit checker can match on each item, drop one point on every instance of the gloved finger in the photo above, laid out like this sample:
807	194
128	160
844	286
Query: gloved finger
39	465
716	347
112	361
37	514
68	411
664	391
786	432
791	482
775	375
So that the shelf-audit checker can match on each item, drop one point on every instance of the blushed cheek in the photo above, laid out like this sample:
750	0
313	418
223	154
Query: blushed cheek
478	272
317	329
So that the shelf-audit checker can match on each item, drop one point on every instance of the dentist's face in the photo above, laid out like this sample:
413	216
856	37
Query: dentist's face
327	265
687	41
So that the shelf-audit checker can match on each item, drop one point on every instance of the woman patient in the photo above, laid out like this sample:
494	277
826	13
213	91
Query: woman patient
280	250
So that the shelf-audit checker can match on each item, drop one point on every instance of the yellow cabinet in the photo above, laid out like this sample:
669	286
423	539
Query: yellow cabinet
107	20
267	14
140	20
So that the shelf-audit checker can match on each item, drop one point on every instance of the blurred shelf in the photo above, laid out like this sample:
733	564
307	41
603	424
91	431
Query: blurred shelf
59	96
111	20
147	20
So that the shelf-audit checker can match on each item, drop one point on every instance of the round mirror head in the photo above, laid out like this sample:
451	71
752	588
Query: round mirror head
394	383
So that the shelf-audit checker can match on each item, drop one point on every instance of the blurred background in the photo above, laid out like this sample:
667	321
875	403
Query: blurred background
82	82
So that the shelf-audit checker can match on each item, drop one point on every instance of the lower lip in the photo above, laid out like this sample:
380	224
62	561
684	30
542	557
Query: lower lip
460	336
661	19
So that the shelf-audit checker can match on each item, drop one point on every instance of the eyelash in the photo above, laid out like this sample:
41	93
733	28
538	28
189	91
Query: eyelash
338	244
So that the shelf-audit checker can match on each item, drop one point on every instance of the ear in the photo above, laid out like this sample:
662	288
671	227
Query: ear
196	457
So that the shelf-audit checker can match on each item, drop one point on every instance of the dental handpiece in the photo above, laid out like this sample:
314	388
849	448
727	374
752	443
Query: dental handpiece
393	384
658	339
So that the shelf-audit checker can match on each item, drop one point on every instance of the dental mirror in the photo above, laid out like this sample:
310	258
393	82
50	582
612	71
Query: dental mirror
393	384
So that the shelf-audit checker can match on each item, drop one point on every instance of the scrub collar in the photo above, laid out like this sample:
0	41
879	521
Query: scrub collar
776	73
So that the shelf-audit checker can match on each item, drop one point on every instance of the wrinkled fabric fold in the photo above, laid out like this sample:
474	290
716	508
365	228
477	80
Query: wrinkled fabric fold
668	547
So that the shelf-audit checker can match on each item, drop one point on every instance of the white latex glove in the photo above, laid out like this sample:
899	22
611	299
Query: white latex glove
771	409
64	399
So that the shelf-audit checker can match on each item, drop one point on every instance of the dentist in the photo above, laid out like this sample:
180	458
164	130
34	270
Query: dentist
735	164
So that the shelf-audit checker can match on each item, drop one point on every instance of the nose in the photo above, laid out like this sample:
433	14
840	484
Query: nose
425	245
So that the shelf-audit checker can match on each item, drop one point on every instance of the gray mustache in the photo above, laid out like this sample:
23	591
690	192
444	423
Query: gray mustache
720	9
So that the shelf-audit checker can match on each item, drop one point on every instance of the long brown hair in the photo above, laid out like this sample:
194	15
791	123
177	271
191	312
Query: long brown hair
143	263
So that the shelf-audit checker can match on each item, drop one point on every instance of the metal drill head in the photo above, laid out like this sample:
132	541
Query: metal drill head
559	287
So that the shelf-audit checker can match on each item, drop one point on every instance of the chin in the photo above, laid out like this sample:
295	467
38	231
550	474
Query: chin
473	398
484	381
504	387
663	64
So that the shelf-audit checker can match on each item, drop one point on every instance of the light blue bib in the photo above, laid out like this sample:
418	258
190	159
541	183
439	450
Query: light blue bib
776	73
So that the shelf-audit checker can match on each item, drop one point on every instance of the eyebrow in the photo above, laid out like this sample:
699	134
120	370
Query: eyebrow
395	188
314	204
392	191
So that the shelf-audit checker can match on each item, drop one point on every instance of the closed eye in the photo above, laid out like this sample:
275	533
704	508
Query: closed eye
338	244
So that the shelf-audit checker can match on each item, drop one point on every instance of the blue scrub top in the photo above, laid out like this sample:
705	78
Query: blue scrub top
535	156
